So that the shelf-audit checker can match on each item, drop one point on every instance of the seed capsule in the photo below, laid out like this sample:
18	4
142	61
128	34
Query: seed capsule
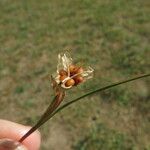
73	69
78	79
62	72
70	82
80	70
62	77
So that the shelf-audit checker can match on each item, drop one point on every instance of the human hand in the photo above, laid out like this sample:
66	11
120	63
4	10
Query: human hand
11	132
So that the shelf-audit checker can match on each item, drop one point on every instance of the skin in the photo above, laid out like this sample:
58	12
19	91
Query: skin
14	131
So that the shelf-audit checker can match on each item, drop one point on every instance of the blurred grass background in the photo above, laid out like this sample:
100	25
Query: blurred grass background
111	36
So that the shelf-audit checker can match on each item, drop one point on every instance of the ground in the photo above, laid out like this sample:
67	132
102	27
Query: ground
111	36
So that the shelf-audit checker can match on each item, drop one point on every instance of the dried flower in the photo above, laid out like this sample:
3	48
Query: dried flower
68	74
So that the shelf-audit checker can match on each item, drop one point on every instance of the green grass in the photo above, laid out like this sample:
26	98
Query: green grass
101	137
111	36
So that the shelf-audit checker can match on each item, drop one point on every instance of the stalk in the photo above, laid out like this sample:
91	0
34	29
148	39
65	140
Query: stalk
52	109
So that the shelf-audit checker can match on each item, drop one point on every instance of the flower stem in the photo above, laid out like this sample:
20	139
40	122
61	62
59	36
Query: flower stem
49	114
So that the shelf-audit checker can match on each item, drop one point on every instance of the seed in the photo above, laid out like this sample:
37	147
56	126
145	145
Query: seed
62	77
70	82
80	70
72	69
62	72
78	79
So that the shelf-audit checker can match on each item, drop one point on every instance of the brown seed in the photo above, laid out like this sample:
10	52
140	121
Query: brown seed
62	72
73	69
70	82
78	79
80	70
62	77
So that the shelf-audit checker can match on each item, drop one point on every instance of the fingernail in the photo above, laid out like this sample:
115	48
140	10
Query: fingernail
8	144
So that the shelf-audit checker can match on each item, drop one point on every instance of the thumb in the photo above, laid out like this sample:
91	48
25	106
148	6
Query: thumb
14	131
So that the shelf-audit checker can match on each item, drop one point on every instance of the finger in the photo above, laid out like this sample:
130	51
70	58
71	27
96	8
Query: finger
15	131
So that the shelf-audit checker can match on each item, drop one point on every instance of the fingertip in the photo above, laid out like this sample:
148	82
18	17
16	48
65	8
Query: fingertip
15	131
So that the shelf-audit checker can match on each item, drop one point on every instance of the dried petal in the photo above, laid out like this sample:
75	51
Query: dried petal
64	61
88	73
